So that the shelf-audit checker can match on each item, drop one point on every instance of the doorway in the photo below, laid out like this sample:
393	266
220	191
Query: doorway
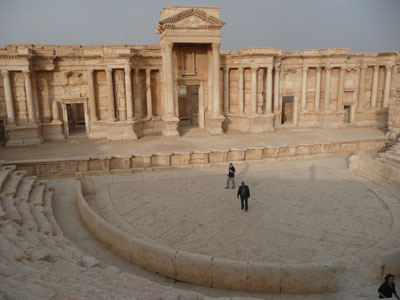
2	133
347	113
76	120
188	105
287	109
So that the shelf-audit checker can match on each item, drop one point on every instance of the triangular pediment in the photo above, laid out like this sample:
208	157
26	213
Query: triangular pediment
192	18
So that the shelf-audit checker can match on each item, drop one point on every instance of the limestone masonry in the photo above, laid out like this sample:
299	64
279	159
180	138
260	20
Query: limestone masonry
121	92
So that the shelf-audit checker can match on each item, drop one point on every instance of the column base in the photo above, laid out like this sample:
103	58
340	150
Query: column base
24	135
53	131
121	131
214	124
169	126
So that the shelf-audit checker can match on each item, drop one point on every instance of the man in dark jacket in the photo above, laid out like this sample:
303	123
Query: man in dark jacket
244	193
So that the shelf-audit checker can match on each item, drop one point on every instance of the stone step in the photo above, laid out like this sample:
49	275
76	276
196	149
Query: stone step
37	193
5	171
9	250
48	205
392	158
2	214
25	188
14	179
24	210
9	208
43	224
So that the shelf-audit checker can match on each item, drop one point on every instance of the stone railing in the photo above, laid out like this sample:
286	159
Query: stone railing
192	159
206	270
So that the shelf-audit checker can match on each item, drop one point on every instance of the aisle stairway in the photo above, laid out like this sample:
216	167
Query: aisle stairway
38	262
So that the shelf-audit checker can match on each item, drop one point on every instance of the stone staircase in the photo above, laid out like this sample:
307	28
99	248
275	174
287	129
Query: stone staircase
38	262
392	155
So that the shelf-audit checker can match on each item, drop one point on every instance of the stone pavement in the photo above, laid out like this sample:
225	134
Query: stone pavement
191	139
300	211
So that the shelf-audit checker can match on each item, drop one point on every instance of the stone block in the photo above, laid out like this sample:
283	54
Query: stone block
229	274
308	278
153	257
303	150
286	151
194	268
179	159
349	147
199	157
264	277
254	154
94	165
137	162
316	149
218	156
116	163
236	154
270	152
160	160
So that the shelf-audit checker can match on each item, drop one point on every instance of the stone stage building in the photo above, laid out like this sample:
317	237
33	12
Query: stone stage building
123	92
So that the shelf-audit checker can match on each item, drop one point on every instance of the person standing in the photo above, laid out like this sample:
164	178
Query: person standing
244	194
387	289
231	176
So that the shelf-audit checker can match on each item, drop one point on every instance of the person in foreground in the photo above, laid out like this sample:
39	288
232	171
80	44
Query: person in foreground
244	193
387	289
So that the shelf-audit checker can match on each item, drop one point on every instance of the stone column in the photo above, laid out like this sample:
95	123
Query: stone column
216	67
170	111
253	104
110	90
341	89
361	87
56	112
327	87
268	105
138	101
29	96
374	93
317	89
388	80
92	97
276	89
226	90
210	81
9	99
35	96
241	94
128	93
304	89
148	94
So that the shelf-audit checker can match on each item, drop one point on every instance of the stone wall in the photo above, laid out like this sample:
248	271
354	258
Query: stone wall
394	116
125	86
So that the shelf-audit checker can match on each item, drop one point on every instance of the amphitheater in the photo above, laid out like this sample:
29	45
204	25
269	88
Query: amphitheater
112	185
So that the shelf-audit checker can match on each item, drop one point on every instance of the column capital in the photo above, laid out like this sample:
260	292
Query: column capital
240	68
109	70
226	69
127	68
328	68
215	46
269	69
305	68
318	69
148	70
167	46
5	73
26	72
254	68
389	67
376	67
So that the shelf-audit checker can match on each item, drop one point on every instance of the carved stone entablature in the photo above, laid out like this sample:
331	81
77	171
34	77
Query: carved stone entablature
351	69
288	71
192	18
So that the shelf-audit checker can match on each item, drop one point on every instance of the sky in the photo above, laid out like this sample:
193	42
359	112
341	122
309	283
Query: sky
361	25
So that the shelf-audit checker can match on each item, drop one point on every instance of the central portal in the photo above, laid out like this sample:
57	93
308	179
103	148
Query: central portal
188	105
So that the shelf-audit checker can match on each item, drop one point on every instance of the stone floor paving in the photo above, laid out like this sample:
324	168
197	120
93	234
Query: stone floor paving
299	211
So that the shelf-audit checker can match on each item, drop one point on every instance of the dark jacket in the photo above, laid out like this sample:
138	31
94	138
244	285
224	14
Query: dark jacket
246	191
386	290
